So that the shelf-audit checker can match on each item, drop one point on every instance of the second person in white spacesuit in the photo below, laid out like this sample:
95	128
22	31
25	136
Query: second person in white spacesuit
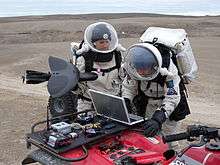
151	82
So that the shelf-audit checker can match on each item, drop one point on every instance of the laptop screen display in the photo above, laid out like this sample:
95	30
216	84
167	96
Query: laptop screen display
109	106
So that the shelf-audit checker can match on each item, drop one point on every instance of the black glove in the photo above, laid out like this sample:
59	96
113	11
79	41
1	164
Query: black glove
151	128
153	125
128	105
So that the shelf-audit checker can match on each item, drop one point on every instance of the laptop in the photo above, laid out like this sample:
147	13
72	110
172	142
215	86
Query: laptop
113	107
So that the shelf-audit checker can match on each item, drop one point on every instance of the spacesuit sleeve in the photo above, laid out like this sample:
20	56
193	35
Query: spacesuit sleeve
129	88
82	86
172	91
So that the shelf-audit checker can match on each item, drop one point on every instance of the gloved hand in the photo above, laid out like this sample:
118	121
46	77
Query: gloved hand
153	125
85	48
130	106
151	128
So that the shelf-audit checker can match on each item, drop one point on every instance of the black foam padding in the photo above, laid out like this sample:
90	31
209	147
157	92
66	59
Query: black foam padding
64	77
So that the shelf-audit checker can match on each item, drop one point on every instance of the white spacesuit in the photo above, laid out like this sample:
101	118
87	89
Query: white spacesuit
160	85
100	53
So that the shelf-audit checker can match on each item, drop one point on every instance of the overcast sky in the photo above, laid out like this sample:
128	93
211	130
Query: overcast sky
42	7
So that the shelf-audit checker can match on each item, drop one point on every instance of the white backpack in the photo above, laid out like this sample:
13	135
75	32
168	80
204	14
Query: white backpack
178	42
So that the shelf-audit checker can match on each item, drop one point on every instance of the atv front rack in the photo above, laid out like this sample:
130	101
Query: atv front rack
37	139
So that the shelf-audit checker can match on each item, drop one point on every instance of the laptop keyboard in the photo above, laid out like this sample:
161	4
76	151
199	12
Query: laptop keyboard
134	117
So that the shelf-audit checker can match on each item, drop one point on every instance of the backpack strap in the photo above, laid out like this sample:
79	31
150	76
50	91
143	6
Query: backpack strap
118	59
81	43
166	56
140	101
89	62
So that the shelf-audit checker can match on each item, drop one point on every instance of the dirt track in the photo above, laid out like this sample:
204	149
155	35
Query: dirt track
26	43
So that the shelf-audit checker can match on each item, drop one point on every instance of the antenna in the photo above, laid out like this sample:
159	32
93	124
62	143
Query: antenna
48	124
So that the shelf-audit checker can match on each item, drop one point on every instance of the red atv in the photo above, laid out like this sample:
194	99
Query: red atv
129	147
107	142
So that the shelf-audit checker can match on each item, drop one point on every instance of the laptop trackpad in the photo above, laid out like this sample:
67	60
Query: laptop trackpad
132	120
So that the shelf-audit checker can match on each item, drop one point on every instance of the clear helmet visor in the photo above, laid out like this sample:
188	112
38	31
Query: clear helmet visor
101	37
142	64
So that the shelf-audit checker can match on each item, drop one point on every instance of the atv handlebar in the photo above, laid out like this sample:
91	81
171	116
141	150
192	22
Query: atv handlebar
175	137
193	131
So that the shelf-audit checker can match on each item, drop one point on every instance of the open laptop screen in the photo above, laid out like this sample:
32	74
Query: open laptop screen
110	106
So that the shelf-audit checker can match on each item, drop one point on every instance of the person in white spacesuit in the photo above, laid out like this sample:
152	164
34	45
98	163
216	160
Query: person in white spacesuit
100	53
151	82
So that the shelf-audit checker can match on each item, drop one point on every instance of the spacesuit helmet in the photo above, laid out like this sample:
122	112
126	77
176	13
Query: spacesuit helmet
143	61
101	37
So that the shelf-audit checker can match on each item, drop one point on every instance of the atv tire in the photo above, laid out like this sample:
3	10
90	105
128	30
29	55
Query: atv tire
66	104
